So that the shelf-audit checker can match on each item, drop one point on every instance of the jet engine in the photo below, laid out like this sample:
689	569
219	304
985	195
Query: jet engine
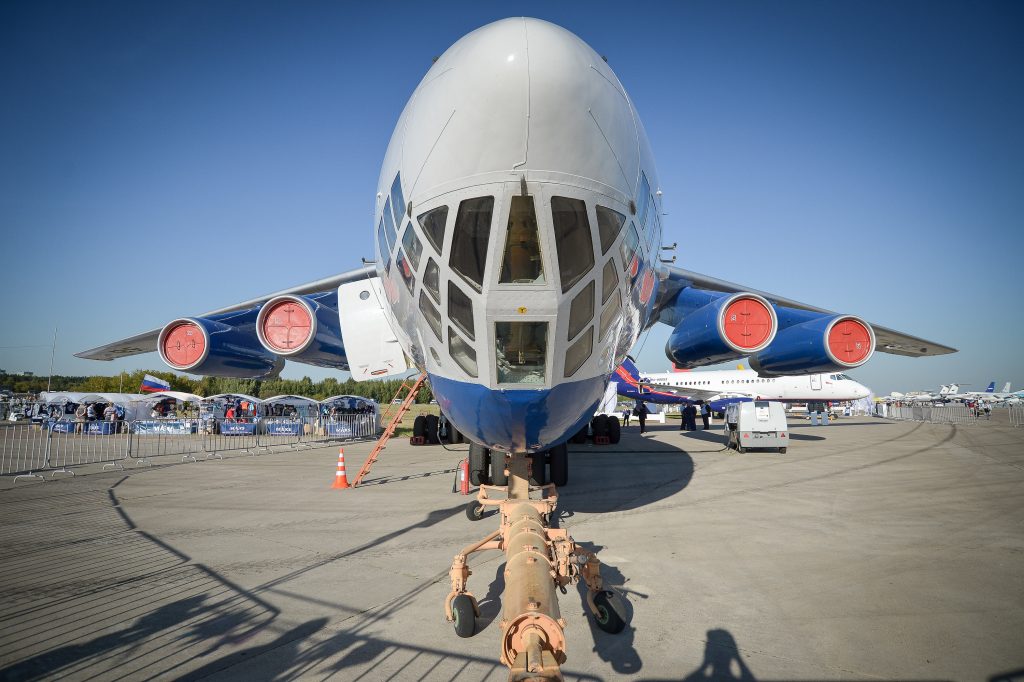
823	343
304	329
212	347
716	327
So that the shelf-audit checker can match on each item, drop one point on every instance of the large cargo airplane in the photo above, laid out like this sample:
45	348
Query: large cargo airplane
719	388
518	231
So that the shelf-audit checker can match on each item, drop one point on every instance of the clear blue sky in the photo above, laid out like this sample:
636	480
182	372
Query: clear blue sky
162	159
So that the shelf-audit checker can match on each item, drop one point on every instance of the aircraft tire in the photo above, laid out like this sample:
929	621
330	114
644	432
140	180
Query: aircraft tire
474	511
418	426
782	451
611	612
559	465
498	475
430	426
600	425
581	435
539	470
479	460
465	616
614	430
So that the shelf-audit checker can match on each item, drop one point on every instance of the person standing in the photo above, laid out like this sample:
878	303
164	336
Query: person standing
80	413
705	415
625	416
641	414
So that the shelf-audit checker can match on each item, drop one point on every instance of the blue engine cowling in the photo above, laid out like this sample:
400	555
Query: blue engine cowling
810	343
225	346
715	327
305	329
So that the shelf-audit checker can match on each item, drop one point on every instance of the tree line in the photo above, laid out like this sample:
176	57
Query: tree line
381	390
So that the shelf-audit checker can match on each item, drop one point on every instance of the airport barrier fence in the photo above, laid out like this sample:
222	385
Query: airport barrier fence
946	414
56	446
1016	415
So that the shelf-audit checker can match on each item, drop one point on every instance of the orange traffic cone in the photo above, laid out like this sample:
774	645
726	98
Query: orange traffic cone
340	480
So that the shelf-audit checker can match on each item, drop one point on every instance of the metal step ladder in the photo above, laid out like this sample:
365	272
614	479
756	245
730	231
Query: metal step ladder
410	391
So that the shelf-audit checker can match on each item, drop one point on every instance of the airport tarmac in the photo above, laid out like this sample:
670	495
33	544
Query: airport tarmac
871	550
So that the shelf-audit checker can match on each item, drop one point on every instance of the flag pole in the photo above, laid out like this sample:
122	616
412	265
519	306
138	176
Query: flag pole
53	349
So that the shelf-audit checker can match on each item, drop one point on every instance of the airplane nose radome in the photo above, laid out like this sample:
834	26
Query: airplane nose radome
518	420
524	94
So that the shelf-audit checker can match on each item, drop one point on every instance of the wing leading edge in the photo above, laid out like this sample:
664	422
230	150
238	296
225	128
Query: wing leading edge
147	341
887	340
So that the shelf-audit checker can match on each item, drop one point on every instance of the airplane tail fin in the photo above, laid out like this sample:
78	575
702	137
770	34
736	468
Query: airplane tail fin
1006	387
954	389
944	390
991	388
629	368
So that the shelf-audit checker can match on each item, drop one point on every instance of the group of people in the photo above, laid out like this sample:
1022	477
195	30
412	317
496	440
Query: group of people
92	412
689	416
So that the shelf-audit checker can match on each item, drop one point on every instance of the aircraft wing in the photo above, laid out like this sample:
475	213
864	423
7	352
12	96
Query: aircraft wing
687	392
147	341
888	340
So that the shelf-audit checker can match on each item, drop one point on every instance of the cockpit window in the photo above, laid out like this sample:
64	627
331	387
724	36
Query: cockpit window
522	263
469	240
643	200
582	311
610	280
431	315
402	263
397	200
629	247
389	223
579	352
572	239
433	222
432	279
460	310
608	317
412	245
382	242
521	354
609	224
462	353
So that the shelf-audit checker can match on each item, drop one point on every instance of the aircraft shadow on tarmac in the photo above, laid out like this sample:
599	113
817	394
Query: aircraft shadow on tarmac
637	471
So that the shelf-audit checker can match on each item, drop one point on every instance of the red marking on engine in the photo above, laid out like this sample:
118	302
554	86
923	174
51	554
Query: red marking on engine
850	341
287	326
184	344
747	323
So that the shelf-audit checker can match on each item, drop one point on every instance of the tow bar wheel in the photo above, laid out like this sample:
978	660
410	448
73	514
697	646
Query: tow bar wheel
465	616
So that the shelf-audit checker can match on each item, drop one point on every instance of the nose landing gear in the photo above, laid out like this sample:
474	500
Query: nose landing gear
538	561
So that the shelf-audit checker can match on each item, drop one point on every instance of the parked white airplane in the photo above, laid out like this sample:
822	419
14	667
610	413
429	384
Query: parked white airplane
990	394
720	387
518	232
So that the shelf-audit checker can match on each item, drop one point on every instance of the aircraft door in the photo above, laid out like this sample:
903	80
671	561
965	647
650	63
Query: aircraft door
815	382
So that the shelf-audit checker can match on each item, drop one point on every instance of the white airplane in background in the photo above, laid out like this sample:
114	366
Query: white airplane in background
990	394
721	387
946	392
518	234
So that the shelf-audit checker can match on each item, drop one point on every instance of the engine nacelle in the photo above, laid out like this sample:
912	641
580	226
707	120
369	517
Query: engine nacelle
716	327
303	329
214	348
824	343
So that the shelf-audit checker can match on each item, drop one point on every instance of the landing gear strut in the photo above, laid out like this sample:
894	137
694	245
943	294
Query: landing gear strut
538	561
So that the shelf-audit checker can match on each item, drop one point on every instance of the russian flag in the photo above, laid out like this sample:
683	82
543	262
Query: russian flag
152	384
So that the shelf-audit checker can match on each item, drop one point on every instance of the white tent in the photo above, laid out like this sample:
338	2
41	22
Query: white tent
177	395
350	402
215	404
304	406
134	407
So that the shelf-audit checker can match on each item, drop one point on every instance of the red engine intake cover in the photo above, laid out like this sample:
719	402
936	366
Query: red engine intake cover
850	341
287	326
747	323
183	345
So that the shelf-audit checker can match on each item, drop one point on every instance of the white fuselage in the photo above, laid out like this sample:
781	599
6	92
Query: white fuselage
746	383
517	227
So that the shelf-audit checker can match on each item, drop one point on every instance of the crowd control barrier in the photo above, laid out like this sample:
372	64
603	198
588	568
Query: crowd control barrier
1016	415
946	414
57	446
